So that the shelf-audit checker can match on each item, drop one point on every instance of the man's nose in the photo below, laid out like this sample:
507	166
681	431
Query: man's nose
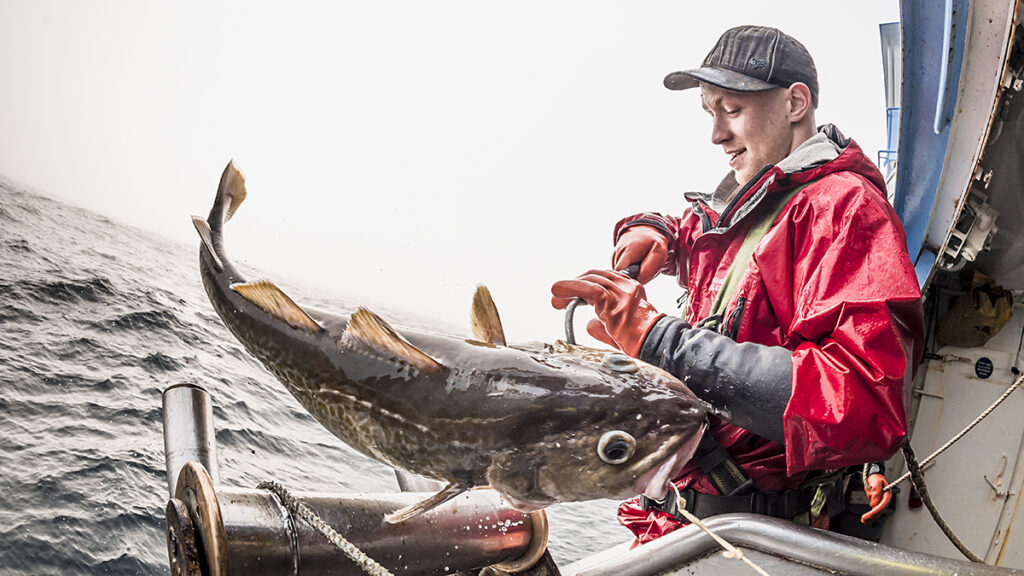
719	131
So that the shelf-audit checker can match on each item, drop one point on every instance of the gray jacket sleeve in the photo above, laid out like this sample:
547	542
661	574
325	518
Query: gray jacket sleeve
748	384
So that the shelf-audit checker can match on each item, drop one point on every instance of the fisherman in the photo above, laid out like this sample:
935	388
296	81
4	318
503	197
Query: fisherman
804	322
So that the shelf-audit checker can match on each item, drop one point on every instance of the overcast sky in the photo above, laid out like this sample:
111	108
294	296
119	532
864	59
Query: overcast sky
399	152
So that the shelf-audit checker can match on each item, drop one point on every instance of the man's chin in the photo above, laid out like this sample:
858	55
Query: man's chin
743	176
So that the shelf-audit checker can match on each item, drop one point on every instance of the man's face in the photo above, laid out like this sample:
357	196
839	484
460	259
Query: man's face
753	128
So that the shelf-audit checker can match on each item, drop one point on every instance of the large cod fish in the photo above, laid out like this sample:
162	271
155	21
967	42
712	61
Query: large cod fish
539	423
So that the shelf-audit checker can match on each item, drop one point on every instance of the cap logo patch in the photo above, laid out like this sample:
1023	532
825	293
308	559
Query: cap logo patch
756	63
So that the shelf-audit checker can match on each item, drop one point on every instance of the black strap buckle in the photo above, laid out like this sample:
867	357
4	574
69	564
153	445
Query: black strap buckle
725	474
788	504
670	504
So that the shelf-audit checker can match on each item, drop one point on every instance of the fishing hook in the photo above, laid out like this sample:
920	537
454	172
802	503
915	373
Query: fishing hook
570	336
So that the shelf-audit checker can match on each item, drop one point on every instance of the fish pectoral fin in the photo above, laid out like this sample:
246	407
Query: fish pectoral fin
273	301
447	493
371	331
485	319
203	227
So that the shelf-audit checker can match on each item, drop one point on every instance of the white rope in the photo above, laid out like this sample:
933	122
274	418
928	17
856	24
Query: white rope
299	509
1016	384
730	550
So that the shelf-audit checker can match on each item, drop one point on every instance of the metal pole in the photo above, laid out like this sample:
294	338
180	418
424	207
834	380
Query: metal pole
473	533
230	532
188	431
247	532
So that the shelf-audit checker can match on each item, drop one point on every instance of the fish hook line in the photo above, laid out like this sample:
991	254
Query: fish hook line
917	479
1016	384
914	472
369	565
570	335
730	550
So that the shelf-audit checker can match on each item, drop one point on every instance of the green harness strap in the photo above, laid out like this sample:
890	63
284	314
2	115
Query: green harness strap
723	472
826	484
771	209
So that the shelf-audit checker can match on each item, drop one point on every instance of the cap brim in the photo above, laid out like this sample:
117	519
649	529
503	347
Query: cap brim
717	77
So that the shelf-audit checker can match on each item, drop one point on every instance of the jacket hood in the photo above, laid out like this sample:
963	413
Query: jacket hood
828	152
817	150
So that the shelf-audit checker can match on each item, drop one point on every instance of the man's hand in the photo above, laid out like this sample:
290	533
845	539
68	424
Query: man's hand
878	496
623	314
643	245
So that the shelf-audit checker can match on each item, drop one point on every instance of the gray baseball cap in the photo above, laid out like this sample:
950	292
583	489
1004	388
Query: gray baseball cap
752	59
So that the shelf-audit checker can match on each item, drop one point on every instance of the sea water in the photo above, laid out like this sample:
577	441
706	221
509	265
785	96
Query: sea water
96	320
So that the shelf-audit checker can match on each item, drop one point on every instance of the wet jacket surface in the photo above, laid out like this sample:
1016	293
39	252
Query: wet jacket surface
832	283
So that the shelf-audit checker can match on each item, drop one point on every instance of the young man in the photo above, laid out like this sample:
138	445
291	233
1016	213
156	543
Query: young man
804	322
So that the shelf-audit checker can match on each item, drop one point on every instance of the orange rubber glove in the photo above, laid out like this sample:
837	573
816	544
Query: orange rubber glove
623	314
643	245
878	496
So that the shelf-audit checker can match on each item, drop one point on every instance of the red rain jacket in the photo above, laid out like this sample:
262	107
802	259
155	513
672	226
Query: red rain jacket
832	282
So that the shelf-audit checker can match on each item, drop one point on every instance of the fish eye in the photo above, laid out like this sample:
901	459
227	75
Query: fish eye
620	363
616	447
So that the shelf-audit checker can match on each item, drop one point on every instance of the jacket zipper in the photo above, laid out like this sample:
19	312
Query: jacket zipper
732	325
706	222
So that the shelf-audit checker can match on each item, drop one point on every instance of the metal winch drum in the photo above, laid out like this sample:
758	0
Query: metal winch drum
234	531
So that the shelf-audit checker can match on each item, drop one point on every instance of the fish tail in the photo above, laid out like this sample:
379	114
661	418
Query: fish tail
230	194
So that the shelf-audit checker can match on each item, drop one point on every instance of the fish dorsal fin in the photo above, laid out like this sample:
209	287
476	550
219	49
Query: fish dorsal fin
447	493
273	301
234	187
373	332
204	234
485	319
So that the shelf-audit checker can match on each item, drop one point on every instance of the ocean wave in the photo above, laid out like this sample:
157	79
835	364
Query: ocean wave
19	245
151	415
146	321
16	201
81	348
10	313
59	549
26	410
161	362
60	291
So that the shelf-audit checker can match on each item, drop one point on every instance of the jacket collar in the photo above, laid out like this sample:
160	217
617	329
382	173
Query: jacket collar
826	152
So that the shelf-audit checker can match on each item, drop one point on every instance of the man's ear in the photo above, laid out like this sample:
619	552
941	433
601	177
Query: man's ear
800	103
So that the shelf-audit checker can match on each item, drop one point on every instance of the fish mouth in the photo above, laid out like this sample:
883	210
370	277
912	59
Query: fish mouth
655	482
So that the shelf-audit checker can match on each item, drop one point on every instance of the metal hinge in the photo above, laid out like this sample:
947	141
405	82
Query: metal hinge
973	232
